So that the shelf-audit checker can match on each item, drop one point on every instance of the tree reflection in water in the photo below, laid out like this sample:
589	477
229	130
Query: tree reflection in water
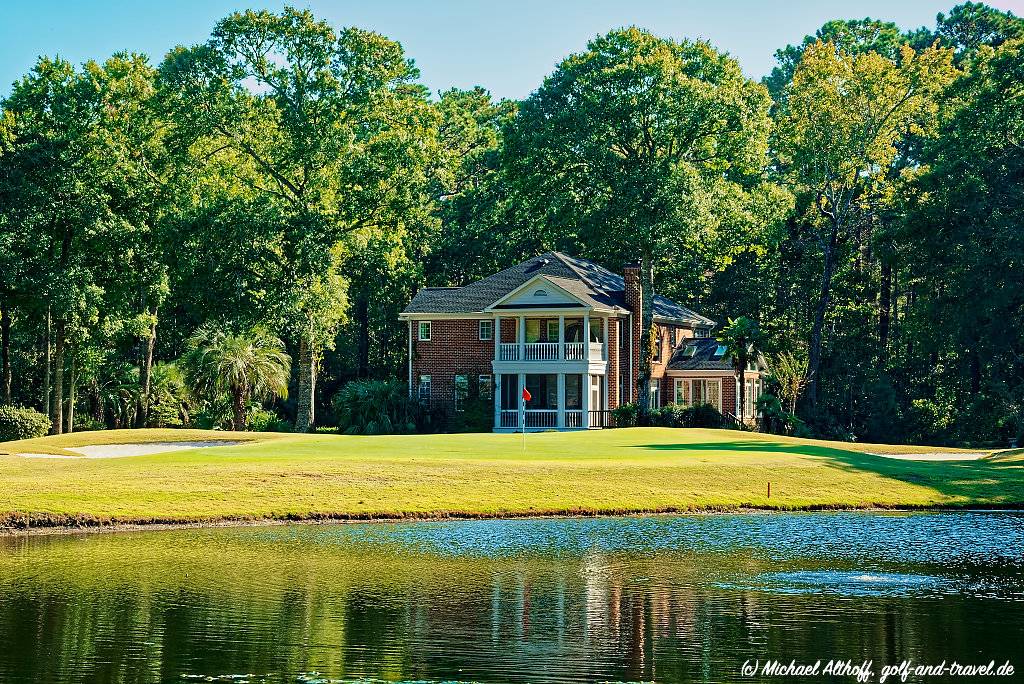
353	602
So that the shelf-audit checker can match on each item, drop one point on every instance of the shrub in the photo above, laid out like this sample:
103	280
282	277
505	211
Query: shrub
259	419
477	415
375	407
704	416
625	415
672	415
22	423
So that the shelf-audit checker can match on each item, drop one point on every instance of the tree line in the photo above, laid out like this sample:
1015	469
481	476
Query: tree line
228	236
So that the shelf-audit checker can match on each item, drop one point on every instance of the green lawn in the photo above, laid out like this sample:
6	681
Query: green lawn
612	471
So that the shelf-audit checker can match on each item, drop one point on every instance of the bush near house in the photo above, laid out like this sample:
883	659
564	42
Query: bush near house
375	407
22	423
673	415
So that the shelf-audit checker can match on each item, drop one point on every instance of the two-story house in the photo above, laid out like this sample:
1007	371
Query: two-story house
568	331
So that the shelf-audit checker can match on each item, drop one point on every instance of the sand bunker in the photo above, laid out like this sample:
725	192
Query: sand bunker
122	450
936	456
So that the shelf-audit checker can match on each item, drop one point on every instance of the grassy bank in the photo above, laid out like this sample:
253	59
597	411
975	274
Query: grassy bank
615	471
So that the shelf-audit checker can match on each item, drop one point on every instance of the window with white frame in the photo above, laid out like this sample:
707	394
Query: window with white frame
424	329
461	391
753	390
424	390
486	386
486	330
679	387
701	332
704	391
655	401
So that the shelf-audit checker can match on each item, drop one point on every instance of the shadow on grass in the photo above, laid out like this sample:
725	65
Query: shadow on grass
987	481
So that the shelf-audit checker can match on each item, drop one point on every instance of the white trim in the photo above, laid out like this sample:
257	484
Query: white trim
419	331
480	329
530	283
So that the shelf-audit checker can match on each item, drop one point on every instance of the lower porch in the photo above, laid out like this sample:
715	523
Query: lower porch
558	401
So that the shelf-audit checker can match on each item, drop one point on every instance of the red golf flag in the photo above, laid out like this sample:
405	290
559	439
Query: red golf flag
526	395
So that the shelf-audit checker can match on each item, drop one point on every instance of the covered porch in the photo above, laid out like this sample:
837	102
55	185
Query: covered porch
558	401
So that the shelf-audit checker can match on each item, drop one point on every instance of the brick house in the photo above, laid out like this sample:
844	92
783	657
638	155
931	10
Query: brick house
568	330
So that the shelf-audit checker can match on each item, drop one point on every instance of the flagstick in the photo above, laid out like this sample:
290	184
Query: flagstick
522	402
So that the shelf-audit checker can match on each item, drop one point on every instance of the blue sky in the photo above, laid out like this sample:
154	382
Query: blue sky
507	47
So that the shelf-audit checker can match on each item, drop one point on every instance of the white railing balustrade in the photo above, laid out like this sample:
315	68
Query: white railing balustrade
548	351
510	419
573	418
575	351
541	418
542	351
508	351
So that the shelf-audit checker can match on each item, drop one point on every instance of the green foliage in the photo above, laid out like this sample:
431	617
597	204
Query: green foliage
259	419
375	407
22	423
247	366
695	416
625	415
476	415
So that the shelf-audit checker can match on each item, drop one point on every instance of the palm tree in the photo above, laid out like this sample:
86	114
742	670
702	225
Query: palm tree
246	366
742	341
168	396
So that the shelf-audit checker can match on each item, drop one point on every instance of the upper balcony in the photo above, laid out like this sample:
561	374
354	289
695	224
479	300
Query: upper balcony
552	339
551	351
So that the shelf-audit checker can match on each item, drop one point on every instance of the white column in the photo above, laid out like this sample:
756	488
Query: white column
521	403
586	399
605	321
521	331
737	408
497	338
496	387
561	337
561	401
586	335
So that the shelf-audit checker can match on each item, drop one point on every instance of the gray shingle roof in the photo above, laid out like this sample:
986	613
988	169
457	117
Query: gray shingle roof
704	357
593	284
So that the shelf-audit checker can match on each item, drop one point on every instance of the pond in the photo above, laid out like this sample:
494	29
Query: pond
684	598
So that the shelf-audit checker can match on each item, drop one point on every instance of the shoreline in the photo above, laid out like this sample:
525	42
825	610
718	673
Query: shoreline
100	527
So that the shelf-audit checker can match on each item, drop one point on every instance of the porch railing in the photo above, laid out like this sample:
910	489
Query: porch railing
548	351
601	419
575	351
542	351
536	418
508	351
573	418
541	418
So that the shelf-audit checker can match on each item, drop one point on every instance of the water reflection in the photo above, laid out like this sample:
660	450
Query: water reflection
634	599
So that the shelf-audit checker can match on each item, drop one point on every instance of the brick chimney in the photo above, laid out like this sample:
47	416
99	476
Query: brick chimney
633	294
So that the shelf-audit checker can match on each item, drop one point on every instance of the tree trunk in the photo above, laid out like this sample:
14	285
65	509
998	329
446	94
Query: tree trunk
304	413
5	352
97	402
824	297
49	363
146	373
238	404
885	310
362	315
72	380
58	378
646	350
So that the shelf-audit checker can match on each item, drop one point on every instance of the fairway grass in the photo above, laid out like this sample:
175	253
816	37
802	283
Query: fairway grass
276	476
